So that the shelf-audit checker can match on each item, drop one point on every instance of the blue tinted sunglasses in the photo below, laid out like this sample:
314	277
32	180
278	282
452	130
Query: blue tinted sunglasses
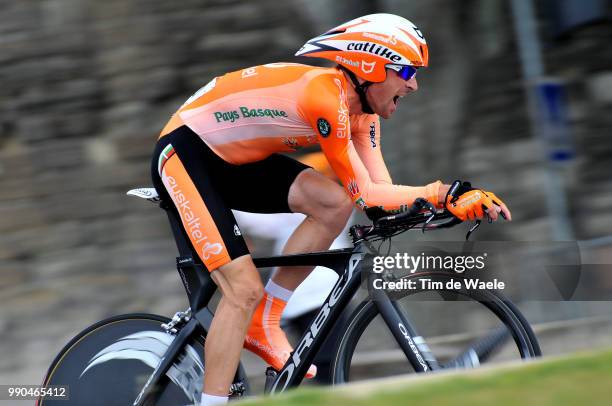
407	72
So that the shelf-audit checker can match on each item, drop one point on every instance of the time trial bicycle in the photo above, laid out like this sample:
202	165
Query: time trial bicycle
146	359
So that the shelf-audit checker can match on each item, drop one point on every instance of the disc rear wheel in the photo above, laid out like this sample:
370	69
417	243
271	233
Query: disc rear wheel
109	363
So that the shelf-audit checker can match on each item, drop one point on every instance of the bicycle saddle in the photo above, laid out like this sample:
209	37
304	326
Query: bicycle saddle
148	193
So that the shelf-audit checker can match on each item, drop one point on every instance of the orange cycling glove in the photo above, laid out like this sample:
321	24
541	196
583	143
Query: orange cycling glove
468	203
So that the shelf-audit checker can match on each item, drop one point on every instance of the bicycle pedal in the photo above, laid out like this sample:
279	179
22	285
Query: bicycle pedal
271	375
237	389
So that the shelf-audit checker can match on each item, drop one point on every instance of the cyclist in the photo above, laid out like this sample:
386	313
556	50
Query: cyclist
220	151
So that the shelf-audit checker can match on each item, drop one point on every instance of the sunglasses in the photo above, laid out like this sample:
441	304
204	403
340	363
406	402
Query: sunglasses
407	72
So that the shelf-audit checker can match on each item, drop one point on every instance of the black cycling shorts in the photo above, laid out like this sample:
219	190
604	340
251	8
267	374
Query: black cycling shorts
204	188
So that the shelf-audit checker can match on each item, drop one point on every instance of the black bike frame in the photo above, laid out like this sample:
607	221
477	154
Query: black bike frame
348	263
348	266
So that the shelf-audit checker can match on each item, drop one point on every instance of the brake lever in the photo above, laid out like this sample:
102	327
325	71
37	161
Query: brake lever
472	229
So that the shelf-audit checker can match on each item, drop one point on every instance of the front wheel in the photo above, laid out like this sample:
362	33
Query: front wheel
109	362
463	330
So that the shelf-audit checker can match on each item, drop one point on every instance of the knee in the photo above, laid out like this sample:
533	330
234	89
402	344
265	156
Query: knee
253	295
246	295
240	284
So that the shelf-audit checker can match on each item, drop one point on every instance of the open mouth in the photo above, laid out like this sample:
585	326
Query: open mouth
396	99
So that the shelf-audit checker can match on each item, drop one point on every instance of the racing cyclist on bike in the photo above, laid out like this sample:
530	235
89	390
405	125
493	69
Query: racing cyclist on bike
220	151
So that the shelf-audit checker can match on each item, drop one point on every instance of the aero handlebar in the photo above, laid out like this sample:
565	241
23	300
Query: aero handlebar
422	215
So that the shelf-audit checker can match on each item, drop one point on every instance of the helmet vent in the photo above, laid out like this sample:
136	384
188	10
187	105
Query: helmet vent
334	32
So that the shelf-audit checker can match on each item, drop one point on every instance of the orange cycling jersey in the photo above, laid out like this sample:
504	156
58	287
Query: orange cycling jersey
247	115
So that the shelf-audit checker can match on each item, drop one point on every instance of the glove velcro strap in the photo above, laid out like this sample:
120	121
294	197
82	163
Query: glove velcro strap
457	189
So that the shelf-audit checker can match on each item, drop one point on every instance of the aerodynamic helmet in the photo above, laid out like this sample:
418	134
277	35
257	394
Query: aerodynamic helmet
369	44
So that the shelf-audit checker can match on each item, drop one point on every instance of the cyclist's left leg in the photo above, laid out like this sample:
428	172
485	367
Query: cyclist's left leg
328	208
280	184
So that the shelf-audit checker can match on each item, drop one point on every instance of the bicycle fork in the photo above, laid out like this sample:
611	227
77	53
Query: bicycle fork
413	346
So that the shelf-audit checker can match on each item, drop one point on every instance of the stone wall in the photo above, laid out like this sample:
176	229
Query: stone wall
87	85
470	118
86	88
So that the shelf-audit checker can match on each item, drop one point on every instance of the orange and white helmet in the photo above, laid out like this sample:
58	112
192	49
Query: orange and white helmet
369	44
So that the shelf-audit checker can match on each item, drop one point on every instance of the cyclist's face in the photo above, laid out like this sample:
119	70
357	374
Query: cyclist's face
384	96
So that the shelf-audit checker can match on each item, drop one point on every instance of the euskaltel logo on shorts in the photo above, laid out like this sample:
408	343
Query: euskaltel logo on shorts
323	127
211	249
191	221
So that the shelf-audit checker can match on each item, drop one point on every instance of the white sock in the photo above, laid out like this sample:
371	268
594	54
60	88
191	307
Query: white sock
212	400
278	291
